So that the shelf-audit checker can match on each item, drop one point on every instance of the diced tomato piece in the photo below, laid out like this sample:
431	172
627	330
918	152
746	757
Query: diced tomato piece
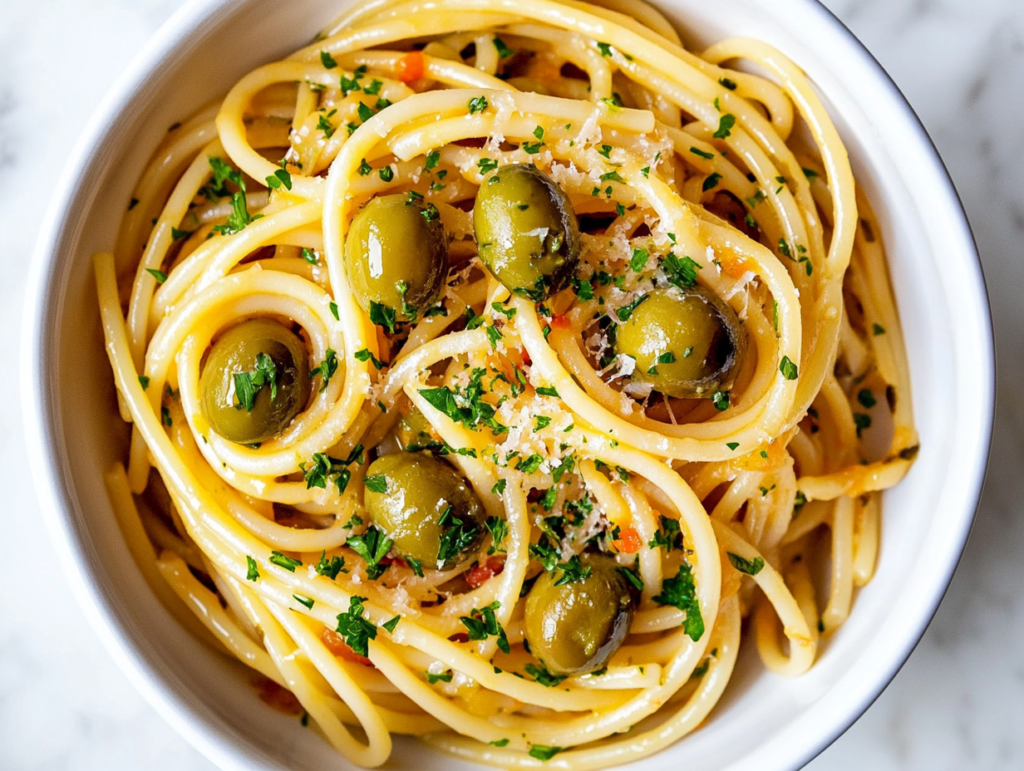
479	574
560	322
411	67
336	644
629	541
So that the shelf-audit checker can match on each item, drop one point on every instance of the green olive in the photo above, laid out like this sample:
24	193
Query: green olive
687	343
526	231
261	357
396	254
426	508
575	628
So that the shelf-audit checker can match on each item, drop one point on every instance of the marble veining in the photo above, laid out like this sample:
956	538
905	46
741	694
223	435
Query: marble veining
956	704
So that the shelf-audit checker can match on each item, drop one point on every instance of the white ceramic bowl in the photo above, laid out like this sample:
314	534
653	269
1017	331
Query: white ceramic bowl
67	389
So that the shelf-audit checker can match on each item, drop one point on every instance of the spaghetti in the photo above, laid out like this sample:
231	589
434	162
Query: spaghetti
292	425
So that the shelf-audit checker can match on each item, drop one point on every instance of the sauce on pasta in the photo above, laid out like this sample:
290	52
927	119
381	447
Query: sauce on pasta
490	366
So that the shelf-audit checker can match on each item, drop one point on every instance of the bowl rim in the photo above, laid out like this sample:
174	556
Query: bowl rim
42	435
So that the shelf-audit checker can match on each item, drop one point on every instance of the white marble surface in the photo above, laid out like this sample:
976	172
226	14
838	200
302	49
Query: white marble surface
957	703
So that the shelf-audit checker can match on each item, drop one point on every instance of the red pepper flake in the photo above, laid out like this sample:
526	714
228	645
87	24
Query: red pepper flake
479	574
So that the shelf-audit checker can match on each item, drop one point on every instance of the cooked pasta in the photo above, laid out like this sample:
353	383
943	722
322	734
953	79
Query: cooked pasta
488	363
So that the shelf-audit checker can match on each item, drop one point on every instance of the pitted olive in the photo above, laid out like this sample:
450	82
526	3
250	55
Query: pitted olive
576	627
425	507
526	231
255	381
396	255
687	343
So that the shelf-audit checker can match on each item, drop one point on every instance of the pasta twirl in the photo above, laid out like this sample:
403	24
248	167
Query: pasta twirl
488	363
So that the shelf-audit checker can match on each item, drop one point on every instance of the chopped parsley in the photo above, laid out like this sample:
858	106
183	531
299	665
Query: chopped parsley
721	400
365	355
253	573
725	126
681	592
498	528
627	310
788	368
239	217
503	50
632	577
573	571
861	421
457	536
639	259
284	561
377	483
249	384
681	273
544	752
326	369
279	178
373	545
750	567
477	104
711	181
866	398
330	567
383	316
668	536
465	405
322	468
354	629
481	624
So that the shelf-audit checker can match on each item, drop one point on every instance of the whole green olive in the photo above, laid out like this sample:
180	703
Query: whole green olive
425	507
687	343
526	231
255	381
396	254
576	627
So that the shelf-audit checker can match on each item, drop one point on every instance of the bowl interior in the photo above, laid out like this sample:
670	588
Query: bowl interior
75	432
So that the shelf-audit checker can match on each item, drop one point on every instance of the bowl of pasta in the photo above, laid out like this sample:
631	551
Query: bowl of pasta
481	383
